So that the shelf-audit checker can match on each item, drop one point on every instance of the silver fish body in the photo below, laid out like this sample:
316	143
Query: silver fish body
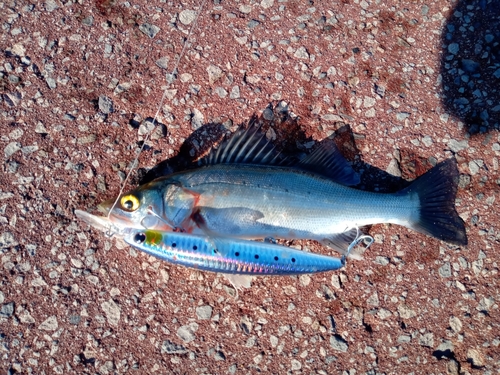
240	193
228	255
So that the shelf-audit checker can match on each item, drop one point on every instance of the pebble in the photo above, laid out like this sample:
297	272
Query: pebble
338	343
105	104
457	146
470	66
187	332
171	348
406	312
162	62
187	16
197	118
474	356
7	240
214	73
51	5
11	149
453	48
266	4
475	165
7	310
235	92
204	312
245	9
149	29
49	324
455	324
445	270
112	311
427	339
301	53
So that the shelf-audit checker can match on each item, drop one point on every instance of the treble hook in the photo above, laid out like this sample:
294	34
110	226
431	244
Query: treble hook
360	237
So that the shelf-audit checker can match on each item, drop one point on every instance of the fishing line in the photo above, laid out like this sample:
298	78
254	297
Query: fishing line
146	139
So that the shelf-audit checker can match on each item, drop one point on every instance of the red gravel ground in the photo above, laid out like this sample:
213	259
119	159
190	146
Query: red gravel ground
407	83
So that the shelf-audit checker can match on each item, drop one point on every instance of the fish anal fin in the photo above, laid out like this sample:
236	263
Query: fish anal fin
341	241
327	160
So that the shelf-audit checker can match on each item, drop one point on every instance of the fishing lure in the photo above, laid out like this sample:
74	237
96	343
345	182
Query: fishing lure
229	255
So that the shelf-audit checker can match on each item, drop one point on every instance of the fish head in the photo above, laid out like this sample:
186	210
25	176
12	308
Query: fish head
140	208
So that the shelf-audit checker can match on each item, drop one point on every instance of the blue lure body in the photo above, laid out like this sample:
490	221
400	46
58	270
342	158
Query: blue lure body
229	255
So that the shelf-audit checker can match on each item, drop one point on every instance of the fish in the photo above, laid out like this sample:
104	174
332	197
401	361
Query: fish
243	189
228	255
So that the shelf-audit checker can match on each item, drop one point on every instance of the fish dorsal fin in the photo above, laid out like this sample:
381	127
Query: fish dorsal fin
327	160
246	145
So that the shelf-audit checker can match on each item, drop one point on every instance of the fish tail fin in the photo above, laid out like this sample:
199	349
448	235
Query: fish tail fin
437	190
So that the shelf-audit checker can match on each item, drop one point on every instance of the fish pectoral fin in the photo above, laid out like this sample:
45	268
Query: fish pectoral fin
327	160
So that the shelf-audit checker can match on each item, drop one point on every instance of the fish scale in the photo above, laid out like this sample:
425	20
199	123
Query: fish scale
229	255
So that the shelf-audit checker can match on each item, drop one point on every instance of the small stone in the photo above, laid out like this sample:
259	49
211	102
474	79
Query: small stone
369	102
496	73
393	168
197	118
204	312
51	5
296	365
18	50
221	92
112	311
186	77
105	104
427	340
455	324
406	312
301	53
235	92
149	29
305	280
253	23
49	324
445	270
453	48
162	62
245	9
427	141
51	82
88	21
171	348
338	343
11	149
187	16
214	73
7	240
475	357
266	4
457	146
7	310
401	116
187	332
475	165
373	300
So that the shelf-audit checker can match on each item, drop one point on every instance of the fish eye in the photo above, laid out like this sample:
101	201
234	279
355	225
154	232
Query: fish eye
129	202
139	238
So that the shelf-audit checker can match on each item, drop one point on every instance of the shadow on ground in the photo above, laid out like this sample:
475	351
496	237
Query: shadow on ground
470	64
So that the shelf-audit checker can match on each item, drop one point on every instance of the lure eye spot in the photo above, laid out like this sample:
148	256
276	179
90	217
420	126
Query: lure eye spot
237	254
256	256
174	244
195	247
293	260
139	238
129	202
276	258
